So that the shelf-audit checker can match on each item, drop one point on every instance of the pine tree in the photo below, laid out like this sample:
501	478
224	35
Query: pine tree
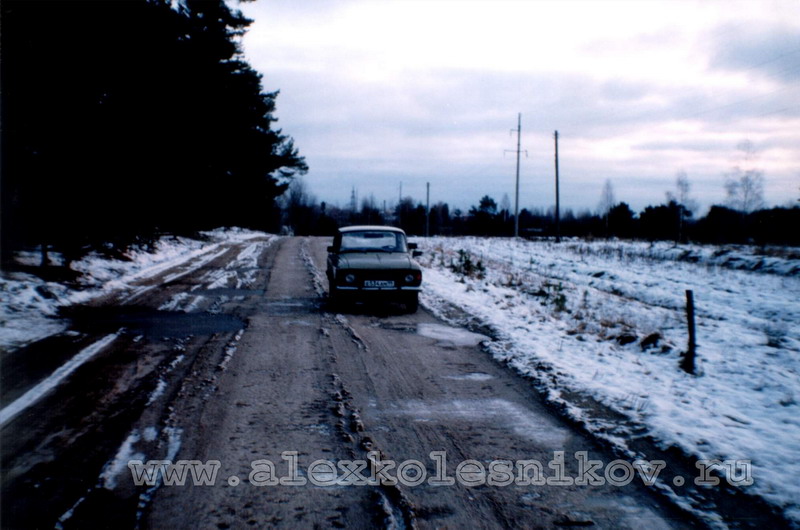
126	118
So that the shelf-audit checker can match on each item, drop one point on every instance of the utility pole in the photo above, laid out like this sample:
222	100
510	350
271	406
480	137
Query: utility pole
516	194
400	195
558	213
428	211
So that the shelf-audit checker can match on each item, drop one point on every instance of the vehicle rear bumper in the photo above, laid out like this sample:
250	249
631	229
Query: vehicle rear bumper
356	290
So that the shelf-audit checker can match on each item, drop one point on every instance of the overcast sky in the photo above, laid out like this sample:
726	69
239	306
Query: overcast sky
380	92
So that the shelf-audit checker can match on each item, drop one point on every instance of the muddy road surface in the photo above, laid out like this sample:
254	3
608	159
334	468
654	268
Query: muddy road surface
231	375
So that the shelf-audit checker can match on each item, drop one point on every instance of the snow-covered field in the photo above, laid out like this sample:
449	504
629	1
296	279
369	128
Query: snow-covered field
29	305
578	316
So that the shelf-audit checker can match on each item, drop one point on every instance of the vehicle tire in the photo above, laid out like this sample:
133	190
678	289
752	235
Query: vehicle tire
334	300
412	303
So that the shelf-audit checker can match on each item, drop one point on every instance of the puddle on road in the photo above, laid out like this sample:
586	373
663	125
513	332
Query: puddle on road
491	414
230	292
451	335
472	376
406	327
319	428
635	515
152	323
297	322
292	306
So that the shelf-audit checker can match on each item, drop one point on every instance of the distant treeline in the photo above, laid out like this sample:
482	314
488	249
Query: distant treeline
669	221
125	119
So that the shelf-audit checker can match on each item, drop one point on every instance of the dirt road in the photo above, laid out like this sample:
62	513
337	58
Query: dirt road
304	417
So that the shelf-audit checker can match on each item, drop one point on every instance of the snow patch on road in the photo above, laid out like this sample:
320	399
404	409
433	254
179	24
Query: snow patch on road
195	265
247	262
451	335
175	302
472	376
523	422
316	274
157	392
230	349
119	464
40	390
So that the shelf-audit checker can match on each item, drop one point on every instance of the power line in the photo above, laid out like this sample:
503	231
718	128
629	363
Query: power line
781	56
739	102
777	111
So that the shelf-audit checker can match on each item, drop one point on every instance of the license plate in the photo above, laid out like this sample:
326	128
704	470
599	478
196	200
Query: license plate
378	283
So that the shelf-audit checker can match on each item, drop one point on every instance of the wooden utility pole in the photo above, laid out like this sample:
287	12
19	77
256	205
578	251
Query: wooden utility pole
428	211
516	194
558	212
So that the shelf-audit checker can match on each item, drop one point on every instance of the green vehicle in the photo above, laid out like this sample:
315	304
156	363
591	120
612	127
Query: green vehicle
374	262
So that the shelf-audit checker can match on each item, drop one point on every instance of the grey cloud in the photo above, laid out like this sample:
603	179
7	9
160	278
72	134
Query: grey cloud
702	146
458	104
373	135
772	53
464	103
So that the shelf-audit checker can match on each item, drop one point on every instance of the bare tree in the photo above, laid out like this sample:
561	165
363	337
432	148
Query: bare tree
606	198
745	186
606	201
745	190
686	205
505	206
297	195
297	205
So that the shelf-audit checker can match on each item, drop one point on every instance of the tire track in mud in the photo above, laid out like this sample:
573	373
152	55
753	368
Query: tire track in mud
394	506
274	397
402	397
390	498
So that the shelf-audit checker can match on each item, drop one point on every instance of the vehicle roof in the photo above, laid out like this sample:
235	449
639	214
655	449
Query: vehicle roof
359	228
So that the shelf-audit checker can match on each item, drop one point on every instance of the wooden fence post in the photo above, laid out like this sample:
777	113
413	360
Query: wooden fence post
687	363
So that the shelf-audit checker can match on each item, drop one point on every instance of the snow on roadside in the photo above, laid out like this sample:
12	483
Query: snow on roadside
784	261
239	273
563	312
29	305
43	387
